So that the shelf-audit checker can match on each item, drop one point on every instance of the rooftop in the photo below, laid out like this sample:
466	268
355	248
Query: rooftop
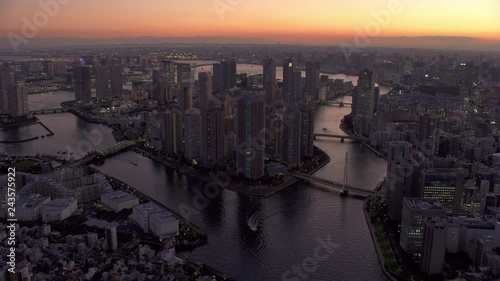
118	196
32	202
164	216
423	204
59	204
148	208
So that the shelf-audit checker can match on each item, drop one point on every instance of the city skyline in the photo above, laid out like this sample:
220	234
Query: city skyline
384	23
247	140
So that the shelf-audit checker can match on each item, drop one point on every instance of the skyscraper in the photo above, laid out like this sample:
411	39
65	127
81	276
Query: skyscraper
173	132
192	134
232	73
297	87
403	180
312	78
102	81
212	135
205	89
400	176
116	73
289	69
168	67
217	77
6	81
364	102
228	74
185	98
274	140
18	99
415	213
269	80
444	185
307	130
158	90
398	150
434	246
81	79
250	154
184	75
292	127
49	67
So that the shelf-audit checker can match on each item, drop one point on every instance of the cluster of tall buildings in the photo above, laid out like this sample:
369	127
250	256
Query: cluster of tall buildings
13	94
443	184
108	81
232	124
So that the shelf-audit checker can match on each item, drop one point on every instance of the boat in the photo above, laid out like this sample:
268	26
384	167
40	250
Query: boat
252	225
133	163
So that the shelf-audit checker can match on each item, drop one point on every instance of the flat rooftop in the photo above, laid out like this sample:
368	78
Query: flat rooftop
119	196
163	217
423	204
32	202
148	208
59	204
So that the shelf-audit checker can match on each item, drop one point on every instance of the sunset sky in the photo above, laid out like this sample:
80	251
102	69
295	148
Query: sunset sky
314	21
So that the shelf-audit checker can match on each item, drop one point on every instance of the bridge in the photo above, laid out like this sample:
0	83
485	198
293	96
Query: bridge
47	110
340	187
339	103
104	152
341	137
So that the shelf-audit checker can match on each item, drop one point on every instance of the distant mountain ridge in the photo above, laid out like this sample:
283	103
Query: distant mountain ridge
438	42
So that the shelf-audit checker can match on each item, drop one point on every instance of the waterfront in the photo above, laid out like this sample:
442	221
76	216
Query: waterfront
290	222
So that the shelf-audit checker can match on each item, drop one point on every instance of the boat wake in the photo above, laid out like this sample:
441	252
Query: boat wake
254	220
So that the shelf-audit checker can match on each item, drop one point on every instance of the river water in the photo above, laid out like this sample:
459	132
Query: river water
289	223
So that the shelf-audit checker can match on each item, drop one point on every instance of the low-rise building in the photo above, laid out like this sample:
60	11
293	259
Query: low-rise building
140	214
28	208
163	224
119	200
58	209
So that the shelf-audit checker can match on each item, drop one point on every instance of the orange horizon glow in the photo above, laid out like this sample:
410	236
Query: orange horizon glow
320	21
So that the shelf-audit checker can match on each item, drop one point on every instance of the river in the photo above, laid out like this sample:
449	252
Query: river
290	222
